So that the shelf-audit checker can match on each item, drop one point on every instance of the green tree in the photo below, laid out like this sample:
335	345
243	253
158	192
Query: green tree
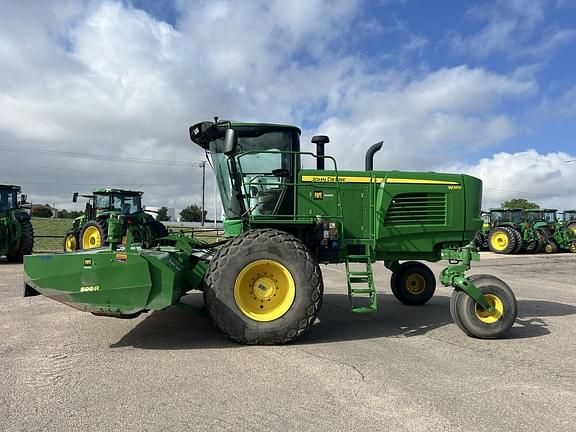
521	203
162	215
192	213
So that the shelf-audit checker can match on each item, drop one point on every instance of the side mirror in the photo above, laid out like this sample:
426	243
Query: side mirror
75	197
280	172
230	142
23	198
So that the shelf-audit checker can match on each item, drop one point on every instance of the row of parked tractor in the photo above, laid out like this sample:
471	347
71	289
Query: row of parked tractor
515	230
88	231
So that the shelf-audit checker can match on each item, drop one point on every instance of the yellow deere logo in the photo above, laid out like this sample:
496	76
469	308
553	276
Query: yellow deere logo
87	262
318	195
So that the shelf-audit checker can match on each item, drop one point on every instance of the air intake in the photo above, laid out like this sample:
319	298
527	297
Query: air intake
417	209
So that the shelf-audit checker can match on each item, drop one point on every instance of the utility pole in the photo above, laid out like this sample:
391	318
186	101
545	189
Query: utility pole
203	166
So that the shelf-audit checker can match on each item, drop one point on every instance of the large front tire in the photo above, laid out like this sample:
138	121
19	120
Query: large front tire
94	234
263	287
474	320
413	283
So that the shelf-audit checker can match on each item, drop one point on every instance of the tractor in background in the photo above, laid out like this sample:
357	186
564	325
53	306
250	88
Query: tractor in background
263	284
90	230
16	232
557	236
569	220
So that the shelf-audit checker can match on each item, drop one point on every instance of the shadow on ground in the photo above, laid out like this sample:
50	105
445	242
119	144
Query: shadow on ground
175	329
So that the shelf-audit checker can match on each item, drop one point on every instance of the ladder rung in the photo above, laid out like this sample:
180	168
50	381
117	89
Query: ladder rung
359	273
358	257
358	279
362	291
364	309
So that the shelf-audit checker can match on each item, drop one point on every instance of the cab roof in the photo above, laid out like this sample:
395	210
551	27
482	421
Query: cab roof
10	187
204	132
118	191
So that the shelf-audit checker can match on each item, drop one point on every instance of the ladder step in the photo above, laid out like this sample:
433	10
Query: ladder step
357	279
365	309
358	257
362	291
360	273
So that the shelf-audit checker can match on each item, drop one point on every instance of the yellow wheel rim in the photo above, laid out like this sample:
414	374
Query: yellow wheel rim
70	243
499	241
548	248
415	284
264	290
490	317
91	238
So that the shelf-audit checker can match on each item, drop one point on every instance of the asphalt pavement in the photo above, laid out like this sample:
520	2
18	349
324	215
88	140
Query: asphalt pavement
401	369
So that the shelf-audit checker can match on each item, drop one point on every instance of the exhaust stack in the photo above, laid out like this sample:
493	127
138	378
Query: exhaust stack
370	155
320	141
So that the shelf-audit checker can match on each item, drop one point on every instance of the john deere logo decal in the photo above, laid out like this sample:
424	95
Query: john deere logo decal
87	262
318	195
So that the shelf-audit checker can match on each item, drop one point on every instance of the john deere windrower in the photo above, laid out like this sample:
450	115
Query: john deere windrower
282	222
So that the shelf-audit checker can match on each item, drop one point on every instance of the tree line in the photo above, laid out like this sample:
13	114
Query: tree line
192	213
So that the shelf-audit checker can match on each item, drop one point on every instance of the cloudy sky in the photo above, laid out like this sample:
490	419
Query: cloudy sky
101	93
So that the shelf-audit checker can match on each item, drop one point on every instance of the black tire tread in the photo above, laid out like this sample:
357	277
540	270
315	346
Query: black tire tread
398	289
233	250
511	240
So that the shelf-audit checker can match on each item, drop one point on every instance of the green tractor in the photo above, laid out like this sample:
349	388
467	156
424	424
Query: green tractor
16	232
90	230
557	236
263	283
505	234
569	220
511	233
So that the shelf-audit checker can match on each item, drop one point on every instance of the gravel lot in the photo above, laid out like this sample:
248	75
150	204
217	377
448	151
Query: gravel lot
401	369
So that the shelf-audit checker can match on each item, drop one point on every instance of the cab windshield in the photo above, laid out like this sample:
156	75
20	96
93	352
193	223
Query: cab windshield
7	200
265	163
505	216
123	204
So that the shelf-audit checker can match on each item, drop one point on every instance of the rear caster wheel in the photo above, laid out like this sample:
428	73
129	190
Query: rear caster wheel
413	283
477	322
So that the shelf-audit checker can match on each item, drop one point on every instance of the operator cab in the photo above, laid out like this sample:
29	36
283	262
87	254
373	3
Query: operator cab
8	197
498	216
118	201
265	163
542	215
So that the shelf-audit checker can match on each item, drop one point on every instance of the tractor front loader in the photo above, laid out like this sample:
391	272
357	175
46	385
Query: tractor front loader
263	284
16	232
90	230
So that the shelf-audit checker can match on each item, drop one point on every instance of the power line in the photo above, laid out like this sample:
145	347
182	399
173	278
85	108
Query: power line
91	156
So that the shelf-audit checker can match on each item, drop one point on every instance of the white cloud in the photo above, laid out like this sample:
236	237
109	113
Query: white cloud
546	179
446	115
